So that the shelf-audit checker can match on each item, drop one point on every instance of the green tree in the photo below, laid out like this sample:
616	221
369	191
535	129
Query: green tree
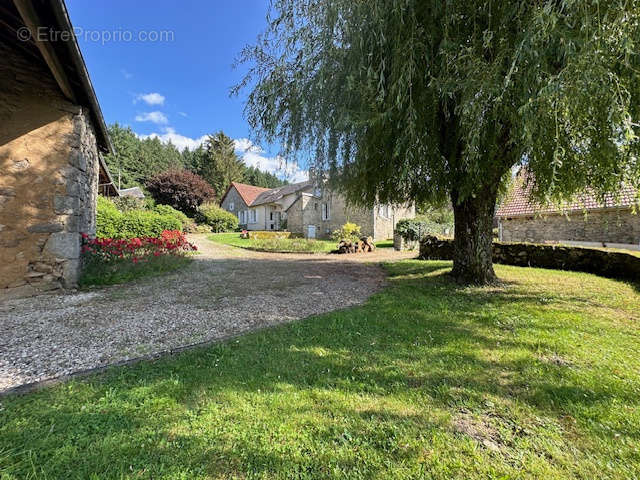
435	100
220	164
136	160
255	176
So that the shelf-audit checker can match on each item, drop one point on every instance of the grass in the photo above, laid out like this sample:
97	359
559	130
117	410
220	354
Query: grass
100	274
539	378
285	245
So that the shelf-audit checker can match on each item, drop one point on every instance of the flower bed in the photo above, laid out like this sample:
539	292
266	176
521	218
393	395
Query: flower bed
108	260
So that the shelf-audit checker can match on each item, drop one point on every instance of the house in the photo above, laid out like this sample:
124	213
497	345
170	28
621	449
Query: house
583	221
133	192
52	138
309	209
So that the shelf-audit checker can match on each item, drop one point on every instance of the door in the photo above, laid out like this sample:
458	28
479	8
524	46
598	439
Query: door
311	231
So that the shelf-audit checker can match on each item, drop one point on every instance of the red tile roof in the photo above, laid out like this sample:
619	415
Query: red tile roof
518	204
248	193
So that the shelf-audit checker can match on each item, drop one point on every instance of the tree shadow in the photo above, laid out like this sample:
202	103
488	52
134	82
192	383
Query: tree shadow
293	400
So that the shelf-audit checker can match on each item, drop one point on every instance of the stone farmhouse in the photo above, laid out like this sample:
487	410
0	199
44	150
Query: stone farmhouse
308	209
584	221
52	138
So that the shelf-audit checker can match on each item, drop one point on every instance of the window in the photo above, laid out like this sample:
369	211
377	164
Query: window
253	216
243	217
384	211
232	206
326	211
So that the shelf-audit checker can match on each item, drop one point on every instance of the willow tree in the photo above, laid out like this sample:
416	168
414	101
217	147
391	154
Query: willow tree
438	100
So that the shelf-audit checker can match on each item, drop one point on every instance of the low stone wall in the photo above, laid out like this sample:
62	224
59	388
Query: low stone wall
600	262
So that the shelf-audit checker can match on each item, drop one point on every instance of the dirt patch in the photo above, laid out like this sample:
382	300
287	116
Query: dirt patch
479	429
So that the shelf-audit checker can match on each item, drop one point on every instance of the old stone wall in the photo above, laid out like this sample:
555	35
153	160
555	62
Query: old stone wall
49	178
614	264
233	197
386	224
607	226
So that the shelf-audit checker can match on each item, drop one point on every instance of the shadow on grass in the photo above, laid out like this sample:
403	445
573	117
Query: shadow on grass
298	400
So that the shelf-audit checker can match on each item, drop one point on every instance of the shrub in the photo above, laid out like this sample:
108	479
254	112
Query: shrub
218	218
172	212
414	229
264	235
112	223
124	204
181	189
348	231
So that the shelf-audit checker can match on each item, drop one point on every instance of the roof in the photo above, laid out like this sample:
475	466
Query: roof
248	193
62	56
275	194
518	203
135	192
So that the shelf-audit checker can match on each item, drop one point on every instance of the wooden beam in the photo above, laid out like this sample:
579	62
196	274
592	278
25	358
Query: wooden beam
32	22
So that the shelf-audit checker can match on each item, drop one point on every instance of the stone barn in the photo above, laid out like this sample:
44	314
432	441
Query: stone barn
586	221
52	137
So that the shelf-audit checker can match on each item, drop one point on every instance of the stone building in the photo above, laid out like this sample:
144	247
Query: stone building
584	221
308	209
52	136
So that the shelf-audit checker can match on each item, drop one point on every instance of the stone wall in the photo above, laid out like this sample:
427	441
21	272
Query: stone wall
238	203
49	178
385	226
607	226
612	264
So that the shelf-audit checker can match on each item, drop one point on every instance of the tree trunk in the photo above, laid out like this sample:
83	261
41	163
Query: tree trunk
472	256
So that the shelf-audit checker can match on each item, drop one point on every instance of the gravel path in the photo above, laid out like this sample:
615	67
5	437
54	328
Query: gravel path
225	291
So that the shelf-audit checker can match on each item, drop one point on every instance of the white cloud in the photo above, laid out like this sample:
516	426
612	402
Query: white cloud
182	114
126	74
245	145
252	154
155	117
276	165
150	98
180	141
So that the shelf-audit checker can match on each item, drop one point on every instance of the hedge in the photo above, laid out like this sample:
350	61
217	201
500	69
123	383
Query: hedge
112	223
268	235
580	259
218	218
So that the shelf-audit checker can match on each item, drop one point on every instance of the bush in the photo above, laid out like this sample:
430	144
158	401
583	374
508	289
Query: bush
414	229
348	231
264	235
124	204
172	212
112	223
218	218
181	189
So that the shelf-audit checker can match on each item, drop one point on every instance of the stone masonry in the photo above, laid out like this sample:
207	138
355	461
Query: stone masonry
49	178
605	226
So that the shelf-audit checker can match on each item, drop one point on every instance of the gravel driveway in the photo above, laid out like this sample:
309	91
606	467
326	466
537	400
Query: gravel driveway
225	291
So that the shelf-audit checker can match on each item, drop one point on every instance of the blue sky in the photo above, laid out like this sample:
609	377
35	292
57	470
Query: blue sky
175	86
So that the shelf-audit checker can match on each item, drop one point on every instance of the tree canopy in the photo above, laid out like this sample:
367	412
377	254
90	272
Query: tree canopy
137	160
439	100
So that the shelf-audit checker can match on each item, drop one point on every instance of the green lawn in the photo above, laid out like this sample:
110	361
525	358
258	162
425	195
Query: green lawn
536	379
283	245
